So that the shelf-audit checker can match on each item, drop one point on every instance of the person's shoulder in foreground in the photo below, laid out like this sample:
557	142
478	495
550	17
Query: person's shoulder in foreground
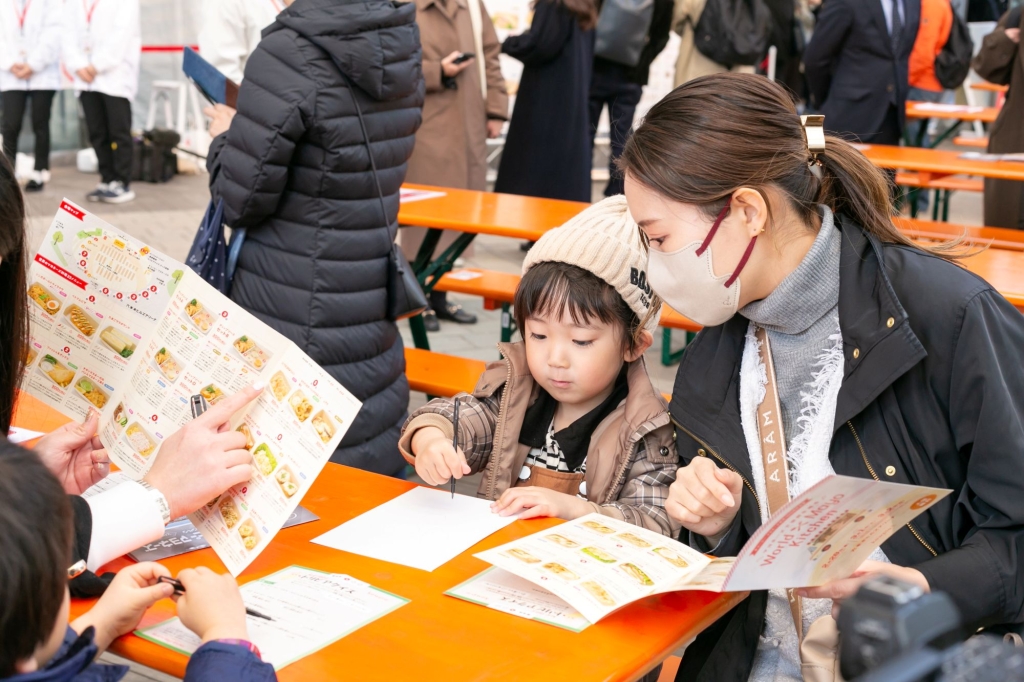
38	642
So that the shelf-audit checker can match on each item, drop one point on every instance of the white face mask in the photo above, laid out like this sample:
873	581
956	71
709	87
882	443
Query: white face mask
685	279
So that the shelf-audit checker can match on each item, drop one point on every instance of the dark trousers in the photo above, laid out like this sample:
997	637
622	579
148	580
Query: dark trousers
611	87
109	120
14	102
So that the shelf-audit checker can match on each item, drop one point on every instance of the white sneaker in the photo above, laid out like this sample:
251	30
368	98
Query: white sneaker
100	190
46	175
35	182
117	193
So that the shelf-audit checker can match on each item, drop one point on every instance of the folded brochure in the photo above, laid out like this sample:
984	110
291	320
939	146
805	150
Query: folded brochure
597	564
120	328
308	610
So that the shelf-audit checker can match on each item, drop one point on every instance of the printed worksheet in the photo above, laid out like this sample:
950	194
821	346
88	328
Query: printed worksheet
597	564
119	328
307	610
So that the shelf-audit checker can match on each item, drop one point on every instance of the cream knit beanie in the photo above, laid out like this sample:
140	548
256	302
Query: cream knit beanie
605	241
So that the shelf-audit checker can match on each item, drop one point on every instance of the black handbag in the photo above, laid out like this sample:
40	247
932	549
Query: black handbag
734	32
405	295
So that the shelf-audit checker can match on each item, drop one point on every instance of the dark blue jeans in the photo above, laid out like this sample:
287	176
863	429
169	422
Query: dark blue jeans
612	88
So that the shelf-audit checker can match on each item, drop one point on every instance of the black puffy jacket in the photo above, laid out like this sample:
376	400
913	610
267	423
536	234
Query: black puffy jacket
294	170
933	396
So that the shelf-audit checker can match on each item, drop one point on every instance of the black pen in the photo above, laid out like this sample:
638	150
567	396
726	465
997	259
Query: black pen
180	589
455	440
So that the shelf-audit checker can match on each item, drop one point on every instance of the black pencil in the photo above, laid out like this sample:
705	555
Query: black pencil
180	589
455	440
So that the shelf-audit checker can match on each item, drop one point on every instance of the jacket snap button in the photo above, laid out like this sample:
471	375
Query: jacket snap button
856	353
524	474
663	451
890	470
701	453
890	322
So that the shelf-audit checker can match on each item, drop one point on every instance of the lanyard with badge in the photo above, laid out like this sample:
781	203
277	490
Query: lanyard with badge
88	24
20	16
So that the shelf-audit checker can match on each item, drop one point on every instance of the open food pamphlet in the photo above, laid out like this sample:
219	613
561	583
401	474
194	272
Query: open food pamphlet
308	610
122	329
596	564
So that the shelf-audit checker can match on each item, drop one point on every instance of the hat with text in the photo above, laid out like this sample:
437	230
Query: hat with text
605	241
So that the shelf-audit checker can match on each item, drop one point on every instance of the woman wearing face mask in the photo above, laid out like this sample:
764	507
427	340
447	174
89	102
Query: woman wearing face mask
889	361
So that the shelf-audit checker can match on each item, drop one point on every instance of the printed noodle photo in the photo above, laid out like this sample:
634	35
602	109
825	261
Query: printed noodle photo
598	526
561	540
634	572
672	557
521	555
43	298
279	386
264	458
560	571
599	554
300	406
634	540
598	592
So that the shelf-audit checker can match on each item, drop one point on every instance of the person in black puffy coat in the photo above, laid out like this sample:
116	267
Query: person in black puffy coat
293	168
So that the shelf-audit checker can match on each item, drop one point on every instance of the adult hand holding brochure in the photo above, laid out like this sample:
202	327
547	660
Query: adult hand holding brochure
120	328
597	565
215	86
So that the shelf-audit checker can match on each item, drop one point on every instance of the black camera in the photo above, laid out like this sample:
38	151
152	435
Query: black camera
893	631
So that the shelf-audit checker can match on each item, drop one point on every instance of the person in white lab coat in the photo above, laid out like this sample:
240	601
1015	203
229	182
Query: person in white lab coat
231	29
30	32
102	46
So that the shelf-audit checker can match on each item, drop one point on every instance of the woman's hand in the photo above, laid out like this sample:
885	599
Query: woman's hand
705	498
450	68
530	502
437	461
118	612
840	590
88	74
203	458
212	605
73	453
494	127
1013	34
220	118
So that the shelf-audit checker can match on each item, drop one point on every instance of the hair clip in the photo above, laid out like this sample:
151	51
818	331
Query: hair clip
814	134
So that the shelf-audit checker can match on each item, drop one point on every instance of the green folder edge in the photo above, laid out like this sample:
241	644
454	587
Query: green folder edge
143	635
451	593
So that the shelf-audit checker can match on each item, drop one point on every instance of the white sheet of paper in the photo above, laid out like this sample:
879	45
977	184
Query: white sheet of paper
17	435
309	610
423	528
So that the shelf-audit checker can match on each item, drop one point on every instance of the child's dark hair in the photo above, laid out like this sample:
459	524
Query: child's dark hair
551	288
35	552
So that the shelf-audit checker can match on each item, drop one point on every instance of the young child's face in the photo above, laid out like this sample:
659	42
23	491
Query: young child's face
575	364
45	651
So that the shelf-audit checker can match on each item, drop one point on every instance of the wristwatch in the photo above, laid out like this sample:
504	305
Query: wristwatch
161	501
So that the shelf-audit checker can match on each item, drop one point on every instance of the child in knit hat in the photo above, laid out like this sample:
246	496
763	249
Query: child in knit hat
568	423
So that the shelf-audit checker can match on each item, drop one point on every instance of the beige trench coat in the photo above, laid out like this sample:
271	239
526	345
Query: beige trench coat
451	144
691	62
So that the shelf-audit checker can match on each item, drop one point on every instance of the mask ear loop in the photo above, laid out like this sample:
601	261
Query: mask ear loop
711	235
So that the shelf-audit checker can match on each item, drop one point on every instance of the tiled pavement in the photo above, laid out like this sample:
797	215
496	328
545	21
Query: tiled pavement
167	215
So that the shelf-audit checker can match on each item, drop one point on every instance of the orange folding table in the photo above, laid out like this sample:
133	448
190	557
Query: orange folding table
433	637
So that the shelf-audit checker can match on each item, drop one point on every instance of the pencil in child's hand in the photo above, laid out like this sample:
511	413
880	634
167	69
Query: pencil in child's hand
455	440
180	589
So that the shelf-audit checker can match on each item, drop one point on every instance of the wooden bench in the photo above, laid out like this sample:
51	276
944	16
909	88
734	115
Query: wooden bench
498	289
943	188
994	237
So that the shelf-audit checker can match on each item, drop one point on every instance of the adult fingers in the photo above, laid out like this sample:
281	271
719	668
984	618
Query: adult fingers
693	504
712	492
837	590
221	412
236	475
681	513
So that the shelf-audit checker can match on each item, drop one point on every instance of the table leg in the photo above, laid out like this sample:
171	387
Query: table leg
419	332
508	326
428	270
668	356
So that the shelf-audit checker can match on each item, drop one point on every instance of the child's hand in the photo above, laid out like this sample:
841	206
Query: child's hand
705	498
530	502
212	605
133	590
436	460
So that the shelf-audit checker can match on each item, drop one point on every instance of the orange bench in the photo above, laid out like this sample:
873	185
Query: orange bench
965	141
943	186
439	374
